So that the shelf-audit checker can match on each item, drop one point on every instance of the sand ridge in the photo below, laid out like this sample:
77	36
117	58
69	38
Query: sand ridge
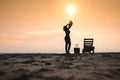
99	66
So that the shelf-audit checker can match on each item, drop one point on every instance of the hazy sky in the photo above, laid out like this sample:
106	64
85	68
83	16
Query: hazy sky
37	25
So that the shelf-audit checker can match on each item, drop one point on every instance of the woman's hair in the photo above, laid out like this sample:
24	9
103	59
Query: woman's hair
70	23
65	28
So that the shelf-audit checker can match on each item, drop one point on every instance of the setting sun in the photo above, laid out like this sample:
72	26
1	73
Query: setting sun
71	10
37	25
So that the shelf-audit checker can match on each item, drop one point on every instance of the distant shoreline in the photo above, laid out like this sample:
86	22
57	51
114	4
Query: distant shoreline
62	53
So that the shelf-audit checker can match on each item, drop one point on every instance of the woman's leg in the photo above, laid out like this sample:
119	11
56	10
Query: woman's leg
66	47
69	46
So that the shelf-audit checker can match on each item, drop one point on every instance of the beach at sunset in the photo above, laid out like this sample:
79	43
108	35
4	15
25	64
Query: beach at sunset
59	39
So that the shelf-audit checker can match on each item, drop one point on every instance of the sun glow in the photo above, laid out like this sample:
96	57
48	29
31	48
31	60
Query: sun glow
71	10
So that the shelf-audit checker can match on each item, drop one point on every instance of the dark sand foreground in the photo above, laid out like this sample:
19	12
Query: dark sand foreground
100	66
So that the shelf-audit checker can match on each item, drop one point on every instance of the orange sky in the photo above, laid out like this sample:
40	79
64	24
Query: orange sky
37	25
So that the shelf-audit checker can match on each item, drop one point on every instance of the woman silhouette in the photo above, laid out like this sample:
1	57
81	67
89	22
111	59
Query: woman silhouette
67	37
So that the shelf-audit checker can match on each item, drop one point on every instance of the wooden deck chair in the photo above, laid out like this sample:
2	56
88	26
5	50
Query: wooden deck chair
88	45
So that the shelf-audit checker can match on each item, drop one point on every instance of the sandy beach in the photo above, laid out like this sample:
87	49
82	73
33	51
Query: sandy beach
100	66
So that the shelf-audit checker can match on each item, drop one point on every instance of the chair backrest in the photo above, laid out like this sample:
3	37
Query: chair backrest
88	42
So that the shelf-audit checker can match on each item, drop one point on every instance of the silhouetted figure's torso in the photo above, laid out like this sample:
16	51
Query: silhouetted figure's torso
67	37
